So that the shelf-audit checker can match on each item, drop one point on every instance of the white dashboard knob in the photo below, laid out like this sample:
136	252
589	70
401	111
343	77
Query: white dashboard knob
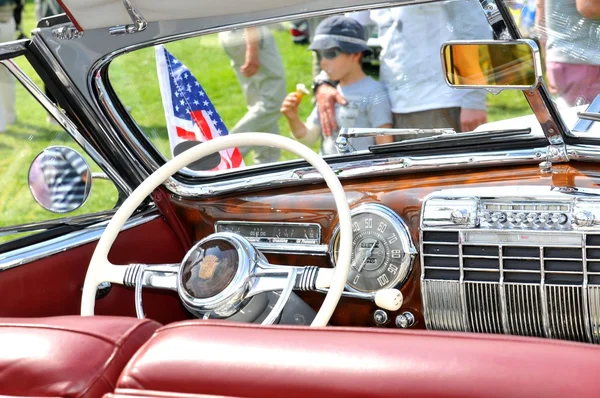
389	299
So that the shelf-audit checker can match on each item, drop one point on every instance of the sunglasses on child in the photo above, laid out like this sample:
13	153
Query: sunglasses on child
330	53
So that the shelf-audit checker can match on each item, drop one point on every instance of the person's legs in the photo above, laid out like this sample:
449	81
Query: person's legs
430	119
575	84
264	91
8	113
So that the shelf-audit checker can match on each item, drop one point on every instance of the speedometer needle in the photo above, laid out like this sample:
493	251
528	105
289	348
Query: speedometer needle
369	252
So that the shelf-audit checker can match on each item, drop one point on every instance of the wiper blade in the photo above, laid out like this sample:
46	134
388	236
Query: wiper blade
344	146
450	141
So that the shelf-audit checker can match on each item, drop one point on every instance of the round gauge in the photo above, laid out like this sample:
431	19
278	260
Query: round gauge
382	250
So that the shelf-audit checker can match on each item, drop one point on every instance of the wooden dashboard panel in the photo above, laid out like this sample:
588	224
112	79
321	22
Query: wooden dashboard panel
402	193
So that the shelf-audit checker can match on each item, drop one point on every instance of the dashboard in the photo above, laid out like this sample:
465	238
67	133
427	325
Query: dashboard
458	244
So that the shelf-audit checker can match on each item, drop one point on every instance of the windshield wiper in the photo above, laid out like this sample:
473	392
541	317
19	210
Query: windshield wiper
455	140
344	146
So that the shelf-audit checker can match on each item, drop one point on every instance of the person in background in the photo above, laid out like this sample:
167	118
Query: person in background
18	17
410	69
341	43
8	112
45	9
562	27
257	63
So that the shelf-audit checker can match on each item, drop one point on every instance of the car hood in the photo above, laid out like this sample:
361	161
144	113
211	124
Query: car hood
568	115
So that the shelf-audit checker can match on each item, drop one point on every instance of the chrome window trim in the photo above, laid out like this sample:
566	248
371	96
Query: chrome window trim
353	169
28	254
60	117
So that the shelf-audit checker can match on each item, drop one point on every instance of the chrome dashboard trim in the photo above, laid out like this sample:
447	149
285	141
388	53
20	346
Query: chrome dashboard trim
22	256
283	248
585	290
353	169
584	152
312	250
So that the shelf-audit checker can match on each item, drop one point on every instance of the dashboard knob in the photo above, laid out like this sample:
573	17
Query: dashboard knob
499	217
532	218
405	320
519	218
380	317
584	219
563	218
389	299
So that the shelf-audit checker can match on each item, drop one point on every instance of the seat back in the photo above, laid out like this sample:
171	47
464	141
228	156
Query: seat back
240	360
69	356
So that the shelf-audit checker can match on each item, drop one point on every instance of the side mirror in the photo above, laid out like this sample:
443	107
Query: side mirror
60	179
514	64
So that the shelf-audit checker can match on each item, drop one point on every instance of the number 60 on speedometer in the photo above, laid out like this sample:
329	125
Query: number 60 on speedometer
382	250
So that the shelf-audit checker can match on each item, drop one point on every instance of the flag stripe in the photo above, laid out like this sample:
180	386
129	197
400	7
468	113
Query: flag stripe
185	135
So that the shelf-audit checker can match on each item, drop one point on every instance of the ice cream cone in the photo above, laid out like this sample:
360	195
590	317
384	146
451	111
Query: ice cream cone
301	91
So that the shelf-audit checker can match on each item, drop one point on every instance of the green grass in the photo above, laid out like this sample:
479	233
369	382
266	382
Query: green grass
134	78
21	143
139	90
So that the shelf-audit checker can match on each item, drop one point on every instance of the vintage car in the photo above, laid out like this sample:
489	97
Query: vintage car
146	252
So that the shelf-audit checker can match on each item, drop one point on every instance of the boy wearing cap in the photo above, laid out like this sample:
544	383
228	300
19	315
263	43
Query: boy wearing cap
340	42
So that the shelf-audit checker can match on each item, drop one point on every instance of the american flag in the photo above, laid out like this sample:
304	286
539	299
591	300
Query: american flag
189	112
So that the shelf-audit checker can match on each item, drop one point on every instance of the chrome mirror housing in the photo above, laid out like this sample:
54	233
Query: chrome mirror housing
495	65
60	179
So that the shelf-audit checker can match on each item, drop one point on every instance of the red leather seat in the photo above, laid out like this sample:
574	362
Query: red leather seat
237	360
67	356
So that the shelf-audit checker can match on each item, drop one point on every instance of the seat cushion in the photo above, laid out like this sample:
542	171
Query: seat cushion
68	356
237	360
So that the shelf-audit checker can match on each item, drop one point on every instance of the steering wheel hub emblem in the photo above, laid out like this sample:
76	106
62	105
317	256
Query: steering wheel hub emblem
209	268
215	275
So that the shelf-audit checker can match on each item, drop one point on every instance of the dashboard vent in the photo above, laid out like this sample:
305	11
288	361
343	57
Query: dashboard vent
528	287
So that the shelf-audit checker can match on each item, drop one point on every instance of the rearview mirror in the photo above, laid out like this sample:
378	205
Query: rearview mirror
512	64
60	179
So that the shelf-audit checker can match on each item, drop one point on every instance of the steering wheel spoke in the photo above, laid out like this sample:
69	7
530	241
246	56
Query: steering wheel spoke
154	276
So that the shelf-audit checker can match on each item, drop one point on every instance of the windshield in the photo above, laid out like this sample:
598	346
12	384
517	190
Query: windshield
383	66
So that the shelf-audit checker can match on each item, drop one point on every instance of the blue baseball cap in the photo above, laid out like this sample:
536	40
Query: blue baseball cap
340	32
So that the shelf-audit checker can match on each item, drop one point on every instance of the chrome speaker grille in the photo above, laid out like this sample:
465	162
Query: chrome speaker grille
531	283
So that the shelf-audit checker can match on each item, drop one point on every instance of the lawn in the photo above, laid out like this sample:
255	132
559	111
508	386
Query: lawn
134	78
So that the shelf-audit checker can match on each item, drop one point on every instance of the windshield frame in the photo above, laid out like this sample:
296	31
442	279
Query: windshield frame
189	183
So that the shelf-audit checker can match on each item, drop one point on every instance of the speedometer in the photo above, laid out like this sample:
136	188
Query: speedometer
382	250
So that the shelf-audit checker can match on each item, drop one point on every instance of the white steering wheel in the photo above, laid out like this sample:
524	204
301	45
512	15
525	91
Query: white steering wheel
101	270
